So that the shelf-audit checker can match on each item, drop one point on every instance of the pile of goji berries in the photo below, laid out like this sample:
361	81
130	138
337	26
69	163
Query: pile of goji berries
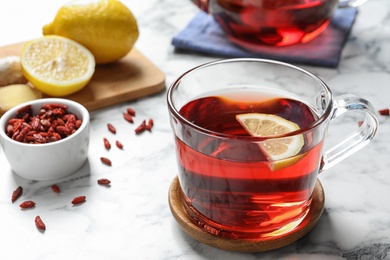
52	123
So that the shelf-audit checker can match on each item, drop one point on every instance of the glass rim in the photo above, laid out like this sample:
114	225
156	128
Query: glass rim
175	112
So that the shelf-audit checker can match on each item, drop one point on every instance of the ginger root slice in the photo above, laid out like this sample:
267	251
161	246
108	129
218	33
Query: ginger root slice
11	71
13	95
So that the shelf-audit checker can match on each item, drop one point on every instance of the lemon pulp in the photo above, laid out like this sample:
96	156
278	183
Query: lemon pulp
56	65
281	152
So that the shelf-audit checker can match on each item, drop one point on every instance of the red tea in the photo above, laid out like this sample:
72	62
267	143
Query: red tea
274	22
230	189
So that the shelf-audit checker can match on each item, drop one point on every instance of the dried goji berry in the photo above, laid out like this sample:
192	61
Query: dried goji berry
16	194
36	124
45	123
55	188
78	200
78	123
24	112
27	204
111	128
384	112
128	117
39	223
106	161
63	131
39	139
141	127
119	145
106	143
103	181
22	133
131	111
149	125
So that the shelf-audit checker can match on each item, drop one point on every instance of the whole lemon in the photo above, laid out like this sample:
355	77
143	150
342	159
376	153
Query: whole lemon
106	27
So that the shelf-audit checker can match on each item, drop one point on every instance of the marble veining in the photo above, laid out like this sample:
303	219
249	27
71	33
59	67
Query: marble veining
131	218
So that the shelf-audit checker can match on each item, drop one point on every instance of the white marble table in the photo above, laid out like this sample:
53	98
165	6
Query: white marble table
132	220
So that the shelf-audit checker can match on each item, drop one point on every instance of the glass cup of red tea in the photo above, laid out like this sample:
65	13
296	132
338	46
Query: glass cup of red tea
273	22
233	185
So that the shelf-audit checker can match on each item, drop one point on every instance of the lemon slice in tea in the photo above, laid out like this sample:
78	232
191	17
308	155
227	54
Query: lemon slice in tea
57	66
281	152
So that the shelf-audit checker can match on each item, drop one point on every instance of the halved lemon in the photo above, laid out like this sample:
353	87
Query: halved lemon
281	152
57	66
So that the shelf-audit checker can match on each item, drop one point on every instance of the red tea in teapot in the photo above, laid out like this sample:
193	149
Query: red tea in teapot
272	22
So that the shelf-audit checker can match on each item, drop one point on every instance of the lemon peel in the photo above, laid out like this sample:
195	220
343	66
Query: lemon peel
106	27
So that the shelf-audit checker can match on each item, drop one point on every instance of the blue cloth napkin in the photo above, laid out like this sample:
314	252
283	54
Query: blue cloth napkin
203	35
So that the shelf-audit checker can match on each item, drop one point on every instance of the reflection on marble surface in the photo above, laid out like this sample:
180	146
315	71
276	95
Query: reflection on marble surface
131	218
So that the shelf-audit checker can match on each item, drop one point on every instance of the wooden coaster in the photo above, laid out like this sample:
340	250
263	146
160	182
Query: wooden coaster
242	245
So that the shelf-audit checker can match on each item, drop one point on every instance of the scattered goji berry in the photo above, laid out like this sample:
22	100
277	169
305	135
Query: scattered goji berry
360	123
131	111
16	194
39	223
104	181
384	112
128	118
106	161
119	144
111	128
149	125
106	143
55	188
78	200
27	204
141	127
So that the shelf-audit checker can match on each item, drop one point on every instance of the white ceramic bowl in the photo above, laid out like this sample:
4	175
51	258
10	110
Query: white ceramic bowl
47	161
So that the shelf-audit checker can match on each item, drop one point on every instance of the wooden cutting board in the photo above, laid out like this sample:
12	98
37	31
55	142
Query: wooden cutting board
132	77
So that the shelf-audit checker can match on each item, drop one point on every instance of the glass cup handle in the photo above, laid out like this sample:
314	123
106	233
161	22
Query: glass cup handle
351	3
357	139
